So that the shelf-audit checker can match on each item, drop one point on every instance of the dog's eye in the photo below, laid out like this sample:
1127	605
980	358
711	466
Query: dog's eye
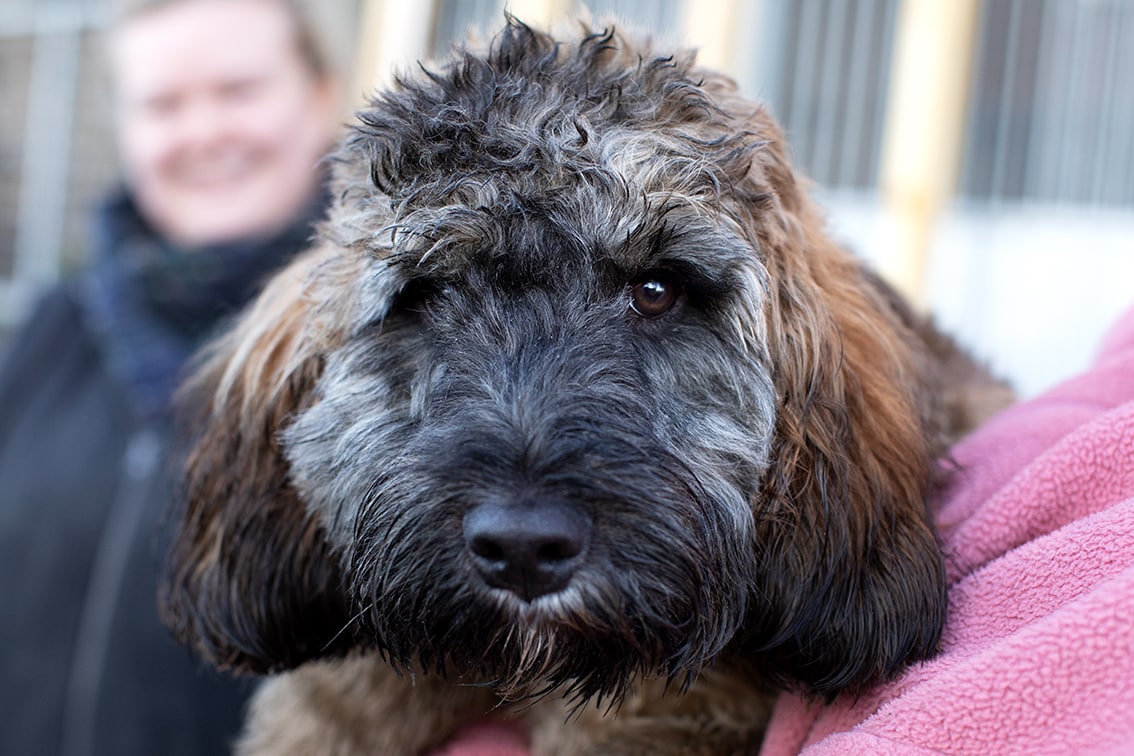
653	296
414	299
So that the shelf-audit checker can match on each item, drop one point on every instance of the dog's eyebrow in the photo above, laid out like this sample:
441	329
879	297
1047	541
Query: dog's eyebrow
700	282
698	253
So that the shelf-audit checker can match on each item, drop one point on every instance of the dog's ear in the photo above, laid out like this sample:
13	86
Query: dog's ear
850	561
251	582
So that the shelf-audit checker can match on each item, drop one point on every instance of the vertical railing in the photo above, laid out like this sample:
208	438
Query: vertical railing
1046	120
1050	120
56	32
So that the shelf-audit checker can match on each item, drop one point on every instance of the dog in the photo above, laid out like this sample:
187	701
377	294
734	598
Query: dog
575	415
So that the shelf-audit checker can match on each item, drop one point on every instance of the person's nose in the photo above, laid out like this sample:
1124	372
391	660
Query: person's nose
203	125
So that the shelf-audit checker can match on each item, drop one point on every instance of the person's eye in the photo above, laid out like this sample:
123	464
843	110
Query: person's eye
241	90
160	106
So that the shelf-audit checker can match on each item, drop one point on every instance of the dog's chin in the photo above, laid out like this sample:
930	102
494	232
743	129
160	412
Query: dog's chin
564	643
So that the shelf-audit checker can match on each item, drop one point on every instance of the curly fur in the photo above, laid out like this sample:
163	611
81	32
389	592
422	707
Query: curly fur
754	466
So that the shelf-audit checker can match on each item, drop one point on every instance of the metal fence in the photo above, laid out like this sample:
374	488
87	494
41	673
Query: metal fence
1052	114
1050	118
1047	120
825	74
454	18
54	139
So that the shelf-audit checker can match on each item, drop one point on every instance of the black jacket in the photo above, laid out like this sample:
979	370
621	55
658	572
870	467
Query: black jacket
85	475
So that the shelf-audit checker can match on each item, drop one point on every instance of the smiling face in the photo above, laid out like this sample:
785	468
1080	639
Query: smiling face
221	121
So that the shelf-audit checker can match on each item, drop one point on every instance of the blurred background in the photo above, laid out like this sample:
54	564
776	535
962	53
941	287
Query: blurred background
979	152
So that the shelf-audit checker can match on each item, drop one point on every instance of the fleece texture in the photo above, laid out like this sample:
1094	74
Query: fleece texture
487	738
1038	652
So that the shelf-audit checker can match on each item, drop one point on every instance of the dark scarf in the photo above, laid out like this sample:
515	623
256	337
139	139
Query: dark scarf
149	304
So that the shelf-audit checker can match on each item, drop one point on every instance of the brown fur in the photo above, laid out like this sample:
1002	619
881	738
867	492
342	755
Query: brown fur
867	394
358	706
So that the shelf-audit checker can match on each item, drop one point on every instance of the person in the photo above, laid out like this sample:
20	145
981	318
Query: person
224	109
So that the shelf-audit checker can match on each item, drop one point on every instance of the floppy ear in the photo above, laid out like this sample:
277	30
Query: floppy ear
850	565
251	582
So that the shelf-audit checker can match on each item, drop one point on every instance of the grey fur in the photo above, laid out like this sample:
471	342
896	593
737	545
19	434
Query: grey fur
743	480
524	373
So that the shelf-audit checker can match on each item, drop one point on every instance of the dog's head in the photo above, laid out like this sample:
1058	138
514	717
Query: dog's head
574	390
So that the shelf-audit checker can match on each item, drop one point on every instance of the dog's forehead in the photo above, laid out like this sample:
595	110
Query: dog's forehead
562	151
625	205
569	240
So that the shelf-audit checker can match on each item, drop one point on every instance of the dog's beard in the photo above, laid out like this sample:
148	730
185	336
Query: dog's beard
591	641
660	594
393	465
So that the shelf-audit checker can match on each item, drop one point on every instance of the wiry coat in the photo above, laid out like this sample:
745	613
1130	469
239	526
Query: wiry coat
749	468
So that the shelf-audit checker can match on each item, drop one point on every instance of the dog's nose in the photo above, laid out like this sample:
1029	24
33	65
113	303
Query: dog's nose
530	549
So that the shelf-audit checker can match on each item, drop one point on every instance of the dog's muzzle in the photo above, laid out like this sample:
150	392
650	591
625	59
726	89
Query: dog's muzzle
528	548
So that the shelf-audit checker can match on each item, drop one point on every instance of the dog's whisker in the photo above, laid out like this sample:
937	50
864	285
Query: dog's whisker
361	613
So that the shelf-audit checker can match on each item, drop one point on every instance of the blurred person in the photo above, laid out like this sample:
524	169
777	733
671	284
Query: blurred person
224	109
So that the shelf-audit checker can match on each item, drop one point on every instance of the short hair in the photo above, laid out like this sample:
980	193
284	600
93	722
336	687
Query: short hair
311	39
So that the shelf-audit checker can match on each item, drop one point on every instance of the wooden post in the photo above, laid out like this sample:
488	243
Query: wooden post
711	26
395	34
540	14
924	130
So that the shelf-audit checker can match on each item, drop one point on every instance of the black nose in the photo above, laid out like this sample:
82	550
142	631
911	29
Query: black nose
531	549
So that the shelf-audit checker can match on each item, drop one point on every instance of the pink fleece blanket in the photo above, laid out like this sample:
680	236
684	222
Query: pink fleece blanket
1038	653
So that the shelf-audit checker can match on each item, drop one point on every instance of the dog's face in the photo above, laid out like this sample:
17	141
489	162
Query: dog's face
574	391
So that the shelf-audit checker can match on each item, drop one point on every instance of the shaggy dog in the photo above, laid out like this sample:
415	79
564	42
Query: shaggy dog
576	416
